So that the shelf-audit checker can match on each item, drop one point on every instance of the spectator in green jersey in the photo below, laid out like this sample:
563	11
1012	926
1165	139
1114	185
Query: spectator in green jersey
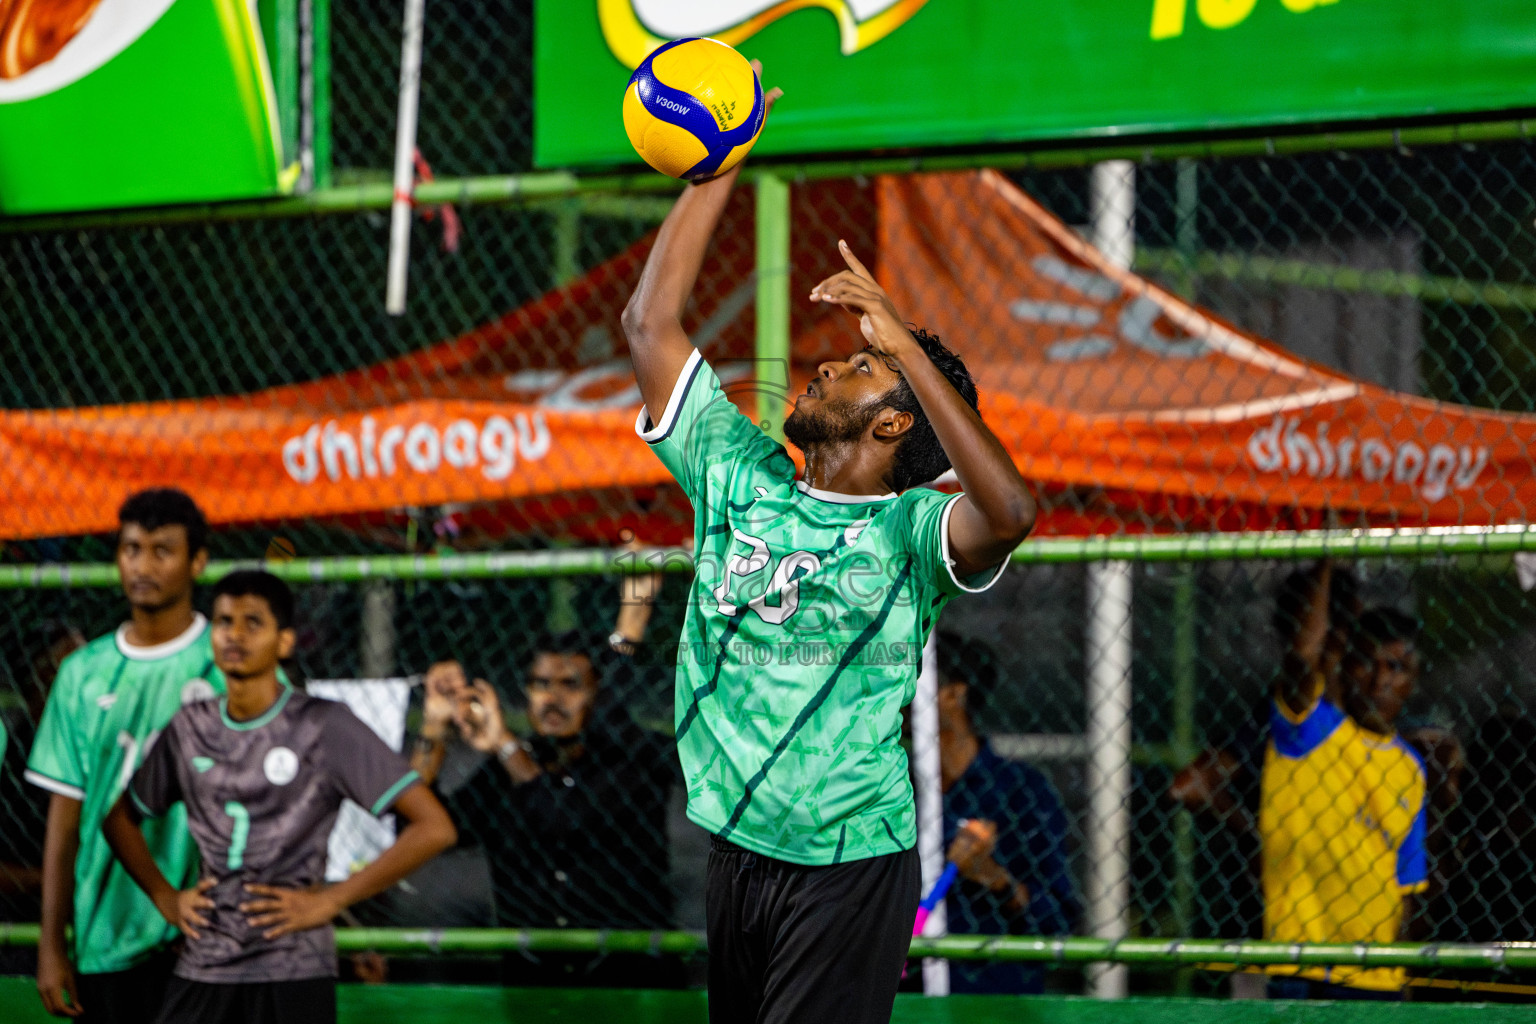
110	700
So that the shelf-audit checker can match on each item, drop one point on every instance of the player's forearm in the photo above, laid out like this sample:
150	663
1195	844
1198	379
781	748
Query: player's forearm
673	265
61	845
429	832
1010	894
1298	685
985	470
126	839
427	758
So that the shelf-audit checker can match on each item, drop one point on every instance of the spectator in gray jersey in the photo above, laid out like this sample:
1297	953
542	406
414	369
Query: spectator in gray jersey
263	773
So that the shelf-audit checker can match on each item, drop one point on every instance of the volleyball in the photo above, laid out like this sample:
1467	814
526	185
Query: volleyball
693	108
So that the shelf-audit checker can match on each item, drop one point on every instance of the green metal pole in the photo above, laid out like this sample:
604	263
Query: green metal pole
1467	542
567	260
516	188
1235	266
1186	223
320	99
280	26
772	364
1006	948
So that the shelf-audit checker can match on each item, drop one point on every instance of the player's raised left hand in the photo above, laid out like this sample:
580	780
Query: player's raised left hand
857	291
282	911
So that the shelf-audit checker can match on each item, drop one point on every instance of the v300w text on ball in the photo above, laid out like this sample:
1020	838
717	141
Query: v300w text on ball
693	108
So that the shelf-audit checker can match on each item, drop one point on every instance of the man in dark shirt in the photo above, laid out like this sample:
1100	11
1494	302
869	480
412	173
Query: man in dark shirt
572	819
1017	883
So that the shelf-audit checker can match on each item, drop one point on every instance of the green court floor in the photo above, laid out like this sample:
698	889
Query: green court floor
446	1004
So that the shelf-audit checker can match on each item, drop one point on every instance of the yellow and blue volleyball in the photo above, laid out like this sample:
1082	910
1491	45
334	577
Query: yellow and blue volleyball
693	108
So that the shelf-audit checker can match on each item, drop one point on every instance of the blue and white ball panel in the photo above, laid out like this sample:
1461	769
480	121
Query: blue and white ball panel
683	109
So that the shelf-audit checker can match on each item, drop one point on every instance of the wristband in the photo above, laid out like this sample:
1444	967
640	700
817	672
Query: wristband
621	644
509	746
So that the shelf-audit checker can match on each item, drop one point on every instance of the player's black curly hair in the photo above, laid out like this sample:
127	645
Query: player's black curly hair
166	506
1384	625
920	457
258	583
570	642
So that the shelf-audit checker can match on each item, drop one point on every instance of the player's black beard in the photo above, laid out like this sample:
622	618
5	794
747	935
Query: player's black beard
829	425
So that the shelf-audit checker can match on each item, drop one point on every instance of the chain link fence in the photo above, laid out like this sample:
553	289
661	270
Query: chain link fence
1405	268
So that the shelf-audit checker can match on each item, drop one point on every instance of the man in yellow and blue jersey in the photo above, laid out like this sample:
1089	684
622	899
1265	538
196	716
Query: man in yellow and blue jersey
1342	815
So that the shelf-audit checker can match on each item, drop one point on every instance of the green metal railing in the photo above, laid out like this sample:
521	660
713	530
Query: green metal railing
1207	547
1012	948
554	185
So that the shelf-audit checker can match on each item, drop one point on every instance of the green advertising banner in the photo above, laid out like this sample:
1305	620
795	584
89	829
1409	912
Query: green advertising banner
109	103
876	74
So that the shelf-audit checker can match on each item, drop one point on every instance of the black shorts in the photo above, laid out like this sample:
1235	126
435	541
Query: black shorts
310	1001
126	997
794	943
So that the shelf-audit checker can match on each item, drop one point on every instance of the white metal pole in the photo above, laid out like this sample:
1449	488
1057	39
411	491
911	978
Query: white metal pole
930	807
405	157
376	645
1108	888
306	95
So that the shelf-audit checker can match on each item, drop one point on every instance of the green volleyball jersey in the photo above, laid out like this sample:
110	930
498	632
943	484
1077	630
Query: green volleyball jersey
803	638
107	707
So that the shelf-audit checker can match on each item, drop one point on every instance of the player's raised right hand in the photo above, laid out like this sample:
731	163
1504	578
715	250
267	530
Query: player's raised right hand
184	909
56	983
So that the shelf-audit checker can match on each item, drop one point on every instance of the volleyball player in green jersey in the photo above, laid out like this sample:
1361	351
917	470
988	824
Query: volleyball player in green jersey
809	610
109	701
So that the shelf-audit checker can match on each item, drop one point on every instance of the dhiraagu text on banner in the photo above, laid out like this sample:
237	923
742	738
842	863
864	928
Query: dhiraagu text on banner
872	74
111	103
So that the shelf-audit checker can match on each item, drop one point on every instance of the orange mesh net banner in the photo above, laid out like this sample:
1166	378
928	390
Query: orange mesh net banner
1146	410
1131	409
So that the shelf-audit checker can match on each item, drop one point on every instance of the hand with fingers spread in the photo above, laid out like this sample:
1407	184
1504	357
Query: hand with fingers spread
857	291
280	911
184	909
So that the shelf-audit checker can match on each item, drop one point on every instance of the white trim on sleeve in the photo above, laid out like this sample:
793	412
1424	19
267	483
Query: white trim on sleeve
949	564
54	785
674	403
